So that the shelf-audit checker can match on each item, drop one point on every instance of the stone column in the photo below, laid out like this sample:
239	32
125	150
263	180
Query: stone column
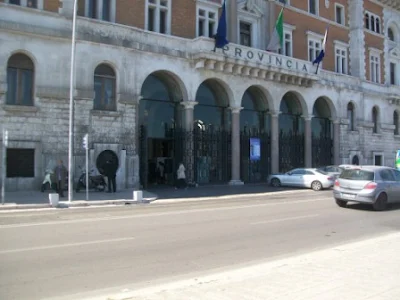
188	131
232	22
274	142
188	114
307	142
336	142
236	146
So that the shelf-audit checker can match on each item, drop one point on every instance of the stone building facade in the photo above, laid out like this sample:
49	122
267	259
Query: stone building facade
149	88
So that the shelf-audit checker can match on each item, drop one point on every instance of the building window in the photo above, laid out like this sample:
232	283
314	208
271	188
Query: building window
158	16
396	123
100	9
206	22
391	34
339	14
375	119
20	163
341	60
20	78
313	7
104	88
245	34
314	47
27	3
393	78
372	22
375	67
350	116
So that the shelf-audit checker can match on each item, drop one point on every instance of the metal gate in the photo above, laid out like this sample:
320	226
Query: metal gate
212	153
143	157
255	170
322	153
291	151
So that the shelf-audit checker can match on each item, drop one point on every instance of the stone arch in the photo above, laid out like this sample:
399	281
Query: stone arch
176	87
105	87
322	132
291	131
255	128
213	100
20	79
351	113
293	103
324	108
26	53
160	119
264	98
393	28
375	118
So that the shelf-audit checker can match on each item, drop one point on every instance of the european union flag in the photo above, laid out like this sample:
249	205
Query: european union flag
220	37
320	57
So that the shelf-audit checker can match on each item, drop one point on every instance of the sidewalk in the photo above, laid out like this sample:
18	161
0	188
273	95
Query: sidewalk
37	199
357	271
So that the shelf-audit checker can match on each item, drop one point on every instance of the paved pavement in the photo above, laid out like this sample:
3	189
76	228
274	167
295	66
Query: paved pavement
37	199
356	271
81	253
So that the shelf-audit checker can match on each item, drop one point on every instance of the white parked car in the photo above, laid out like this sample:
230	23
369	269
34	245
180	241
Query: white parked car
303	177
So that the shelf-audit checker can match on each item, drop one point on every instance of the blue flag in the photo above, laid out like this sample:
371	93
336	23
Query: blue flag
220	37
321	54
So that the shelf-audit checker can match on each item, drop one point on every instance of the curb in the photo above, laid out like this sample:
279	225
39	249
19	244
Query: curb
79	203
153	200
234	196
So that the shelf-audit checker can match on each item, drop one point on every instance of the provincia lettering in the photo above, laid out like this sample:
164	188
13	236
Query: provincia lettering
265	58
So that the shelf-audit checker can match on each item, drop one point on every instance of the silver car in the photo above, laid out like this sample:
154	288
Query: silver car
375	185
334	171
303	177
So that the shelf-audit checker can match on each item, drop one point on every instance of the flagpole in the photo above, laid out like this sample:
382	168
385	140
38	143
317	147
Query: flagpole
316	71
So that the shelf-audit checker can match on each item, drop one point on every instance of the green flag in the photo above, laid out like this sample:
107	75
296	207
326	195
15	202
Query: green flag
275	43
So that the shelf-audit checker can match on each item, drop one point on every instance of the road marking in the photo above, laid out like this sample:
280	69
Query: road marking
178	212
66	245
284	219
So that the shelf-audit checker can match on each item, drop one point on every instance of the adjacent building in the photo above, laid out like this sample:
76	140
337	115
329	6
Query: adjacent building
151	92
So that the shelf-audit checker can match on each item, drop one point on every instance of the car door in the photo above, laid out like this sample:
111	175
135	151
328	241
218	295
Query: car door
297	177
388	183
308	177
396	186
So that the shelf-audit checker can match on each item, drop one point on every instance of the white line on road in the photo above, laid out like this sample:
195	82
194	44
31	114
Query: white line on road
284	219
66	245
176	212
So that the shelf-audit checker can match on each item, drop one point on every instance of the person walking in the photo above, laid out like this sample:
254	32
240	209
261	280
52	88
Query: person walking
181	176
110	171
60	173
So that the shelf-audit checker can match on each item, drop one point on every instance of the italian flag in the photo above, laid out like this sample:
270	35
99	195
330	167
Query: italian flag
276	40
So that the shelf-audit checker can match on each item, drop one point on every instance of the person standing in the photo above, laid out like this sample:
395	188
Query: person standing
111	172
181	176
60	173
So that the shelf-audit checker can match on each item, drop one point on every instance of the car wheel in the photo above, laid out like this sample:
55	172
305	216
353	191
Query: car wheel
341	203
275	182
316	185
380	203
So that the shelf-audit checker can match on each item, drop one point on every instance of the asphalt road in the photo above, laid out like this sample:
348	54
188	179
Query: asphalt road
77	253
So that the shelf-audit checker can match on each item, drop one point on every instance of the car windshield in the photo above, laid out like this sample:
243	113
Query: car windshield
353	174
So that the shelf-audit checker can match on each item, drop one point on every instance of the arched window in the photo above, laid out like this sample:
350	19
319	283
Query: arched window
396	123
104	87
372	23
391	34
377	26
350	115
20	77
375	119
367	21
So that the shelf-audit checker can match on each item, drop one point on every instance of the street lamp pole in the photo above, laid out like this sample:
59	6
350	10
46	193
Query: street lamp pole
71	108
